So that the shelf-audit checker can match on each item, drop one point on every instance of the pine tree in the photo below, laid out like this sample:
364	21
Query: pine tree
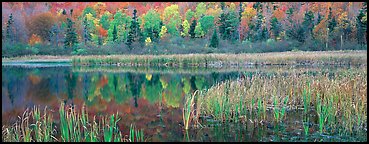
70	35
275	27
86	31
115	37
214	42
308	24
361	27
134	25
9	29
54	35
130	38
222	25
133	31
192	29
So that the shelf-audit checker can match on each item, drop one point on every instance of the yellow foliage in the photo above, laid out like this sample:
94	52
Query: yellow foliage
148	77
89	16
148	41
249	13
34	39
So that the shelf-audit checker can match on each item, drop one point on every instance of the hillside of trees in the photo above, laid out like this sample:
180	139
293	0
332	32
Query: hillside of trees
86	28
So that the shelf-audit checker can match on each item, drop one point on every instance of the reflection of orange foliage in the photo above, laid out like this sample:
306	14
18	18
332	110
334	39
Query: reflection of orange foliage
34	79
103	81
34	39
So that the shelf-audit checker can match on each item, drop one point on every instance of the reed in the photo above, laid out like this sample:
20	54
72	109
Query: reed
210	60
136	135
32	126
187	111
342	94
305	124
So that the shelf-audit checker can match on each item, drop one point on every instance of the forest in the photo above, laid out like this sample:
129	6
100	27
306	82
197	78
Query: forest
105	28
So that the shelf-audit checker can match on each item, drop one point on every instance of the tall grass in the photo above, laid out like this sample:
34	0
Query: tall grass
338	99
72	127
219	60
188	109
136	135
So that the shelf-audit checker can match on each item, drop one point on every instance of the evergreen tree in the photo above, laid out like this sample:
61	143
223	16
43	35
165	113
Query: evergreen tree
70	35
86	31
223	25
214	42
9	29
54	35
115	36
240	11
130	38
192	29
99	41
308	24
275	27
231	24
258	28
361	27
134	26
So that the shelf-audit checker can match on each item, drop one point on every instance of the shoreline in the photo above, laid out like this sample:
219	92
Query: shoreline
353	57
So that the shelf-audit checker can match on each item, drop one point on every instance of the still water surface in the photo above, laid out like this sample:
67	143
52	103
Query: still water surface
151	98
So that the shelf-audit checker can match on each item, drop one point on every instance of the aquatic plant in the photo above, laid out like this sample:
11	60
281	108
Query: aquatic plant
32	126
136	135
210	60
188	109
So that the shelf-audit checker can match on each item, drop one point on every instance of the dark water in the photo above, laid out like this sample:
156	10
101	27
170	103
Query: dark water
151	98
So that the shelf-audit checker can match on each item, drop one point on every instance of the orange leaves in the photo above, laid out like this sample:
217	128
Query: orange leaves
34	39
102	31
279	14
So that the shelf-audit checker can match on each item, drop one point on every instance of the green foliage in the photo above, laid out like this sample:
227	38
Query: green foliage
361	27
200	10
275	27
90	10
192	29
152	24
172	19
214	42
86	30
163	31
207	22
198	30
308	23
122	23
114	33
189	14
70	40
186	28
105	20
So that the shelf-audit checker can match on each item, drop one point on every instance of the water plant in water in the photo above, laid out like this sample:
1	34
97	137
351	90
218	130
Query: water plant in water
73	127
187	111
136	135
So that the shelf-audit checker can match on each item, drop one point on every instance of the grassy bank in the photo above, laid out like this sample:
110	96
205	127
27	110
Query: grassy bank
220	60
71	126
337	102
209	60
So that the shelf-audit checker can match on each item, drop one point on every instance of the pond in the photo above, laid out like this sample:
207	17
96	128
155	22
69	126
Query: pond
150	98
